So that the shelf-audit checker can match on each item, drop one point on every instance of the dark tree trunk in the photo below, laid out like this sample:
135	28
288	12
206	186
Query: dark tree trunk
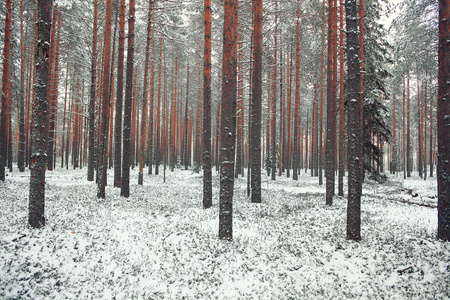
354	124
125	188
158	115
408	129
21	145
444	123
227	121
119	100
39	134
6	100
256	104
105	102
186	122
92	99
330	148
273	126
342	153
295	163
51	82
151	149
145	96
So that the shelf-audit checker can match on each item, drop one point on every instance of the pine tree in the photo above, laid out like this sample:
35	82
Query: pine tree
39	133
444	122
227	121
354	124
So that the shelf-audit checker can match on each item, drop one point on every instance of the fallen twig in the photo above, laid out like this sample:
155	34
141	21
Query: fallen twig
18	238
401	271
413	203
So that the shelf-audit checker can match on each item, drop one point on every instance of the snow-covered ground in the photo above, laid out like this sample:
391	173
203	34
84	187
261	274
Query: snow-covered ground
161	243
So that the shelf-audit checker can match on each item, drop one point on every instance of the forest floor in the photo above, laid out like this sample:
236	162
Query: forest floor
161	243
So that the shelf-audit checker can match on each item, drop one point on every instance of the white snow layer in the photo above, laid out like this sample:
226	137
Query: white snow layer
161	243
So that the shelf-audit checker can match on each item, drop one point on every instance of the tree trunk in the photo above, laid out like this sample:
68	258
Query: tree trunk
158	115
105	102
39	135
6	100
150	149
354	127
444	123
125	189
256	104
145	97
296	97
342	154
330	148
51	83
274	102
186	122
21	145
92	99
227	121
408	129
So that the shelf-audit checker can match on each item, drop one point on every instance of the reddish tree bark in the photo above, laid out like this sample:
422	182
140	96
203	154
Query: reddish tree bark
342	137
105	102
227	121
186	123
444	122
119	100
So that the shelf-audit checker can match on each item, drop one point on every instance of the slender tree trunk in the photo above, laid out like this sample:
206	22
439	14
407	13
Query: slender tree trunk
256	104
296	97
274	102
51	80
288	121
186	121
158	115
240	111
151	111
119	100
425	123
320	156
125	189
92	99
444	123
330	148
419	130
355	136
227	121
145	97
6	100
105	102
198	124
404	127
408	129
21	144
431	139
36	217
342	154
394	136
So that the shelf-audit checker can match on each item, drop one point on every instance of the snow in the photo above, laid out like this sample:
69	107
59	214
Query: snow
161	243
